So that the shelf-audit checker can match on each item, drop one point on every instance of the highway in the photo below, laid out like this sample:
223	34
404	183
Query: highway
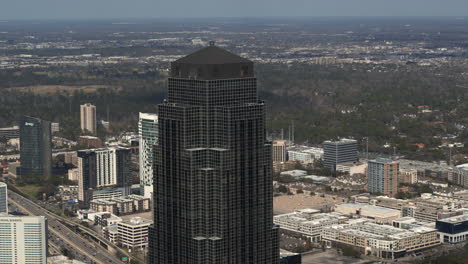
61	236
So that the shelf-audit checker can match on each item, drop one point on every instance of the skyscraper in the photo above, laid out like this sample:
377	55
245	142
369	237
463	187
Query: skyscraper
3	198
212	166
23	239
341	151
88	118
35	147
100	168
148	133
382	176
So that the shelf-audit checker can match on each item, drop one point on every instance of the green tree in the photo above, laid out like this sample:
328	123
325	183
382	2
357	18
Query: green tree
283	189
351	252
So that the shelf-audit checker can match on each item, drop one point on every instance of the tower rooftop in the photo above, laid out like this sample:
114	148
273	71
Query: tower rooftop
212	63
212	55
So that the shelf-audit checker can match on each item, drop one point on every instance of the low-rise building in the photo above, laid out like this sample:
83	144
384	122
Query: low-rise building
71	158
283	166
111	233
308	222
352	167
453	229
90	142
133	233
379	214
106	219
381	241
62	260
297	174
9	132
121	205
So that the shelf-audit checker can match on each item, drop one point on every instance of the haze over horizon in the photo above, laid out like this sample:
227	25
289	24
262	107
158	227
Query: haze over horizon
107	9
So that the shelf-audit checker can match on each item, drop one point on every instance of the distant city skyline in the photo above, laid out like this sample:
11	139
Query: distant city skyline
106	9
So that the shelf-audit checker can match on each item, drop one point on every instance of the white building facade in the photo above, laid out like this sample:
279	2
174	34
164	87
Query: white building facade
23	240
88	118
148	135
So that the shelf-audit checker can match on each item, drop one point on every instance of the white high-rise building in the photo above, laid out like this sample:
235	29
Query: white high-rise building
23	239
88	118
101	168
3	198
148	133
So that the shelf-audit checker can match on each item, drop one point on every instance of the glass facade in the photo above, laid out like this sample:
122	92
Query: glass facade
35	147
212	167
336	152
3	198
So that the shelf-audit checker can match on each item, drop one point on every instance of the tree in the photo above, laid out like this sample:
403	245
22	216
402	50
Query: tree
283	189
67	253
299	191
351	252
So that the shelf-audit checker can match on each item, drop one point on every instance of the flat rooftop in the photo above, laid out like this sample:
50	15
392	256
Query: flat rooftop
455	219
371	208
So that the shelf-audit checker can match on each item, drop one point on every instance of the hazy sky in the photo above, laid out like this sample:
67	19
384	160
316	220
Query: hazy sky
86	9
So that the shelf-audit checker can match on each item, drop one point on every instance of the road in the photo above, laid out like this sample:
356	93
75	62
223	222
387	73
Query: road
84	250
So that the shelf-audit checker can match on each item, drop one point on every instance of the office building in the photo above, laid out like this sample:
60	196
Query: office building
213	200
23	239
35	147
3	198
148	134
382	176
101	168
88	118
279	151
341	151
133	233
453	229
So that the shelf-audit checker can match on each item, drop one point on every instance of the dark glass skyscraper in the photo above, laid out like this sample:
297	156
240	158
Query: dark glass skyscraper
35	147
212	170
